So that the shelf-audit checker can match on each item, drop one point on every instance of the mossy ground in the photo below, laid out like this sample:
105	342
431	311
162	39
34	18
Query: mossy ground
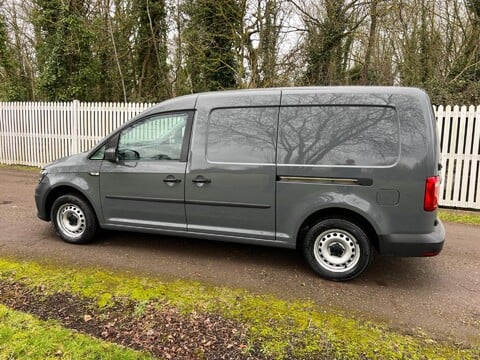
460	216
277	328
20	167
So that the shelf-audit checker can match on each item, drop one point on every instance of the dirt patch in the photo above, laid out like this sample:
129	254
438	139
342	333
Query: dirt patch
157	328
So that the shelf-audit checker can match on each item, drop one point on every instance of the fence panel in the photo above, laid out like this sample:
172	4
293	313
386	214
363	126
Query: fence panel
37	133
459	135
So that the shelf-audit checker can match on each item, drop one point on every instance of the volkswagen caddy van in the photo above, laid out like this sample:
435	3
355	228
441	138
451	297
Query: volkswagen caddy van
337	172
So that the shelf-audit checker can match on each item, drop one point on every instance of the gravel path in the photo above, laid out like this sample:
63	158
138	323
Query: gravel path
439	295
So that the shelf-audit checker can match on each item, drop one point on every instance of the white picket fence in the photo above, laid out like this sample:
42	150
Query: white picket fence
459	134
35	134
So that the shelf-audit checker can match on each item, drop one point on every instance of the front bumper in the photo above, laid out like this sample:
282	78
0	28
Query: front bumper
407	245
40	198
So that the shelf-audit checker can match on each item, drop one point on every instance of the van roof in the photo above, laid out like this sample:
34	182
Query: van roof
188	101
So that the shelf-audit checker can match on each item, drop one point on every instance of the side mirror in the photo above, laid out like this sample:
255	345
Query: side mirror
111	155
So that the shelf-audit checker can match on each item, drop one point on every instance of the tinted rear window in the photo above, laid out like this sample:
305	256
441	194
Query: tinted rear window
242	135
338	135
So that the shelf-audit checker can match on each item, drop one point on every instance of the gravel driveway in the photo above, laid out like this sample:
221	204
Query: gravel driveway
439	295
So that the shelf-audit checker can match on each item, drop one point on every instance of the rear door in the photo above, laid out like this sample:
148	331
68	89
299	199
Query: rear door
230	183
145	187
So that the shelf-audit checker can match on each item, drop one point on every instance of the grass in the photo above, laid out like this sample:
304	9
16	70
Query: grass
23	336
459	216
19	167
281	328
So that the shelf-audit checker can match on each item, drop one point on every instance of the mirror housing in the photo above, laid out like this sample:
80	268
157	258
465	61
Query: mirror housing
111	155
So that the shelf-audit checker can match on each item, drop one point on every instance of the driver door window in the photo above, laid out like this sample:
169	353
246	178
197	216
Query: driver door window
159	137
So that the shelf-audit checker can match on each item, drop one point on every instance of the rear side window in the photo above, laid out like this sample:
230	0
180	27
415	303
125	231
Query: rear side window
242	135
338	135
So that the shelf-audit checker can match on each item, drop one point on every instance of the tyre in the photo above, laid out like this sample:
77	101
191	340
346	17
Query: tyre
73	219
337	249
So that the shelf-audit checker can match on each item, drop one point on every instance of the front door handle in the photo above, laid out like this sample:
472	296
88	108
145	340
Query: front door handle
171	180
200	180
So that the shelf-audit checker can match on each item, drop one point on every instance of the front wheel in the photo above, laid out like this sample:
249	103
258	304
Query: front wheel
337	249
73	219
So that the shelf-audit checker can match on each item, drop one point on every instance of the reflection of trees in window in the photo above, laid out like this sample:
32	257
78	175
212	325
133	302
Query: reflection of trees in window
242	135
412	129
338	135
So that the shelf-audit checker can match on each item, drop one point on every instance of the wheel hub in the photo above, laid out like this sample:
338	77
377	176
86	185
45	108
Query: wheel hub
71	220
337	250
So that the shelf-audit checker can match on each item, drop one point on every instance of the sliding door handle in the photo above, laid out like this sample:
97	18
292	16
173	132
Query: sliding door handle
200	180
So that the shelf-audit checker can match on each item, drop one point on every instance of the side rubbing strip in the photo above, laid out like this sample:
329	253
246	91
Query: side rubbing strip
325	180
230	204
149	199
193	202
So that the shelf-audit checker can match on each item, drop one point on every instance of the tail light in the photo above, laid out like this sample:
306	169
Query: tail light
432	186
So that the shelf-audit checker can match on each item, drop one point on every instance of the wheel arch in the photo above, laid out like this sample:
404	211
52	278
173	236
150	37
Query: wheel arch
341	213
58	191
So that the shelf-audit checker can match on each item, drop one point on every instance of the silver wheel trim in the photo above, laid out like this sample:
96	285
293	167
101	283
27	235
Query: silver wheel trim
71	220
328	246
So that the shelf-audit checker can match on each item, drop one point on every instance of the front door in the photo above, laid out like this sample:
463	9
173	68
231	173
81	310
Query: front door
145	187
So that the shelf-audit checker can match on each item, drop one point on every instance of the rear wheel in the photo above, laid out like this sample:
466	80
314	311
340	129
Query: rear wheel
73	219
337	249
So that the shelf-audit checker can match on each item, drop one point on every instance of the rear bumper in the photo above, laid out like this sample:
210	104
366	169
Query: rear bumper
414	244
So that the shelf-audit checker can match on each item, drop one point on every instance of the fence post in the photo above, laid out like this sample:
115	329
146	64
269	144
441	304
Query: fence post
74	147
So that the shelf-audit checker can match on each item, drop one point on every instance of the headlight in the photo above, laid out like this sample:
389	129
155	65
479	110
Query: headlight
43	173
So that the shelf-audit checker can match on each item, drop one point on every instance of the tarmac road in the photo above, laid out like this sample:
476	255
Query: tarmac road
439	295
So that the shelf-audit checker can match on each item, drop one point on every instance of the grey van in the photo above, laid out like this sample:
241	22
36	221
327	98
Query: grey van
337	172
